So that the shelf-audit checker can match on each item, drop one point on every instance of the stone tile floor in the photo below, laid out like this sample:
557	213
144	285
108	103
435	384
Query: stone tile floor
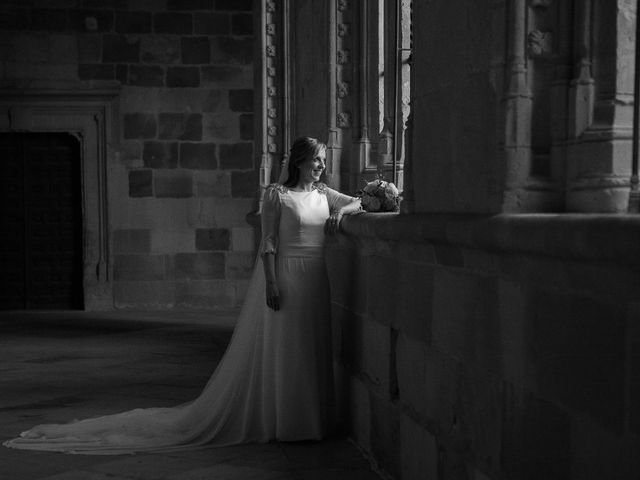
57	366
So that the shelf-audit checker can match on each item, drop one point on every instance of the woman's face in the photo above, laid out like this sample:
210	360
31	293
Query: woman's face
312	167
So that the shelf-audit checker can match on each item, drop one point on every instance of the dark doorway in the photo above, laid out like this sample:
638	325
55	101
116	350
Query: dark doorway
41	212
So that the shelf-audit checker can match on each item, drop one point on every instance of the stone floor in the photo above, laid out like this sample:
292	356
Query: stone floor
55	367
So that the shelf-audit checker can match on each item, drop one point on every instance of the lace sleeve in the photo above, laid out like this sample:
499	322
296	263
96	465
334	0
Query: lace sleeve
270	220
338	200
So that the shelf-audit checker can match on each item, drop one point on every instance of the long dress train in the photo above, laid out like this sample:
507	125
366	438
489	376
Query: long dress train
275	379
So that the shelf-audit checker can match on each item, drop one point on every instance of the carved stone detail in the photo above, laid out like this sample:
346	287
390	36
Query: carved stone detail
271	91
539	43
271	51
343	57
343	5
272	112
271	29
344	29
343	89
344	120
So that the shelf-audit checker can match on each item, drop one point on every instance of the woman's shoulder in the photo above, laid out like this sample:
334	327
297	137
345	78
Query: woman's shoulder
321	187
276	188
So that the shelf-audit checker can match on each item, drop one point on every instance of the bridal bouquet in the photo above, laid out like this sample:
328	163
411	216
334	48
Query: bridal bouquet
380	196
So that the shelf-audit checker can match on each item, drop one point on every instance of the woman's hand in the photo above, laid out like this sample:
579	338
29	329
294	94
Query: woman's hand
332	224
273	296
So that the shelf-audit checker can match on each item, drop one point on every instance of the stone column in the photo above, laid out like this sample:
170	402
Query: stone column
599	162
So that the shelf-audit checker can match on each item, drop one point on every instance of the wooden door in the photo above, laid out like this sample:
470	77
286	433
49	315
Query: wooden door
41	205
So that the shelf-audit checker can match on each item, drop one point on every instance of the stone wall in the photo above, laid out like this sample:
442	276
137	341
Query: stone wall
490	347
181	172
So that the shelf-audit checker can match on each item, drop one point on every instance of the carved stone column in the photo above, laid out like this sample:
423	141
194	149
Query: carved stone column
598	162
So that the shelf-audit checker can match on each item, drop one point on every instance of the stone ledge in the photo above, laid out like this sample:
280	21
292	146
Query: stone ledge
592	237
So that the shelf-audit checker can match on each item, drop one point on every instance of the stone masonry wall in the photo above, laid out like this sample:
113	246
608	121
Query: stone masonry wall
181	176
469	349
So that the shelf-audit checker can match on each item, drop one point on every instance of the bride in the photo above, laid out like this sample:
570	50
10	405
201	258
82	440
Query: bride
275	380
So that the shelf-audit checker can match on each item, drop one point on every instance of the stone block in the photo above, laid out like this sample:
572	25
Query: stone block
17	19
89	48
189	4
142	267
164	214
144	295
137	99
50	19
120	49
122	73
133	22
513	310
382	288
239	265
221	213
232	50
140	183
235	76
213	294
419	453
205	23
246	126
130	154
220	126
244	184
241	100
173	184
111	4
412	356
242	24
132	240
242	239
576	353
145	76
465	307
198	156
414	301
160	49
597	452
183	77
160	154
199	266
180	126
360	408
139	125
385	435
96	71
195	50
536	438
237	156
213	184
166	239
192	100
173	23
449	255
213	239
147	5
234	5
85	20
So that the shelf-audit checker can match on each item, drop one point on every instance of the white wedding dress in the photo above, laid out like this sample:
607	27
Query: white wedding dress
275	380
